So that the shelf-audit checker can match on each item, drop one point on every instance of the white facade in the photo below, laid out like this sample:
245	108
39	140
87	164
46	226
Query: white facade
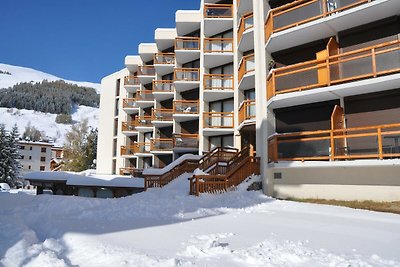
35	156
218	79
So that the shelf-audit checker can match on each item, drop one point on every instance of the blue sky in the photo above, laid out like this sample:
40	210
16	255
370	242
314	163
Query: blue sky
81	40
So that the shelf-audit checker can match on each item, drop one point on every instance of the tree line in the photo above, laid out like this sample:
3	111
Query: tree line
57	97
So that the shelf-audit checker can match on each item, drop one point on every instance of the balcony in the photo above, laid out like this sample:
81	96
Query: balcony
162	145
247	111
135	149
186	110
246	33
187	49
370	142
218	86
131	83
217	51
244	6
129	128
305	21
217	123
332	68
186	142
217	18
162	117
131	171
143	123
246	72
186	79
164	63
130	106
146	74
163	89
145	98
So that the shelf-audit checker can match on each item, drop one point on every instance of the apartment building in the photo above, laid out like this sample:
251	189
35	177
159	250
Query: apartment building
312	86
35	156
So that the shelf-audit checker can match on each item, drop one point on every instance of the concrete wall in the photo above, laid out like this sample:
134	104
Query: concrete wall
32	155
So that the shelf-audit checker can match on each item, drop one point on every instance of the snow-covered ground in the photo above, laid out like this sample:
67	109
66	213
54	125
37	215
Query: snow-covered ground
46	122
22	74
166	227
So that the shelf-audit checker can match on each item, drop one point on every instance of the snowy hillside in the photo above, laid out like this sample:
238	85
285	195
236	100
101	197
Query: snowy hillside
166	227
21	74
46	122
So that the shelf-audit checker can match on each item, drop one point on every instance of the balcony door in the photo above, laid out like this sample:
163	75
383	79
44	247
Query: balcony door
222	82
221	106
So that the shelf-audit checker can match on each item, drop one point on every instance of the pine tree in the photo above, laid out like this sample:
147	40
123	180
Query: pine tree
9	156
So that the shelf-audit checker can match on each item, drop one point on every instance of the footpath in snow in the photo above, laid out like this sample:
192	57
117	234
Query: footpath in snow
166	227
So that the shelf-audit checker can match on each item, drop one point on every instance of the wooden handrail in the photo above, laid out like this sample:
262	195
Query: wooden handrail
245	110
323	69
129	103
244	68
143	121
186	140
218	11
379	132
187	43
162	144
129	126
144	95
131	80
137	147
222	119
146	70
218	82
270	25
163	86
187	74
219	45
186	106
164	58
162	114
243	25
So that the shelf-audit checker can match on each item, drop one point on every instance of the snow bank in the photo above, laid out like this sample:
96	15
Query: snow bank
151	171
167	227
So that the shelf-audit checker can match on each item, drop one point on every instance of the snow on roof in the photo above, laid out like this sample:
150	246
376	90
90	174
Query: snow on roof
170	166
35	143
82	179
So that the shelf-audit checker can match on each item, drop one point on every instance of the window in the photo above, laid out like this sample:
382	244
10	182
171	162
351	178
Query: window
117	87
22	157
42	159
30	148
29	167
30	157
22	147
42	168
221	141
43	150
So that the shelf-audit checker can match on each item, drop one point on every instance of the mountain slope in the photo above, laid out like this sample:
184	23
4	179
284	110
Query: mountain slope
22	74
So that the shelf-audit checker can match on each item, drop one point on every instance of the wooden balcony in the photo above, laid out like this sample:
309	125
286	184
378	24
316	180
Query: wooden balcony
218	45
300	12
218	120
187	75
332	67
187	43
218	81
186	140
186	107
129	126
162	144
247	65
137	147
246	22
247	110
218	11
144	95
129	103
146	71
162	114
131	81
163	86
143	121
131	171
164	58
370	142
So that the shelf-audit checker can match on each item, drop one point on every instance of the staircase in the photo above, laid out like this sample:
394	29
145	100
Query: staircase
221	178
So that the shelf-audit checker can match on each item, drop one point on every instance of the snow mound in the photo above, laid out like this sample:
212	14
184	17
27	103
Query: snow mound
153	171
22	74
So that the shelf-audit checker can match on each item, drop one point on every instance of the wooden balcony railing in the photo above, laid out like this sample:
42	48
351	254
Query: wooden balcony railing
218	45
131	80
218	81
247	110
247	65
371	142
163	86
335	68
186	106
129	126
302	11
129	103
143	121
164	58
146	71
187	75
162	144
137	147
186	140
144	95
187	43
246	22
134	172
218	119
162	114
218	11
